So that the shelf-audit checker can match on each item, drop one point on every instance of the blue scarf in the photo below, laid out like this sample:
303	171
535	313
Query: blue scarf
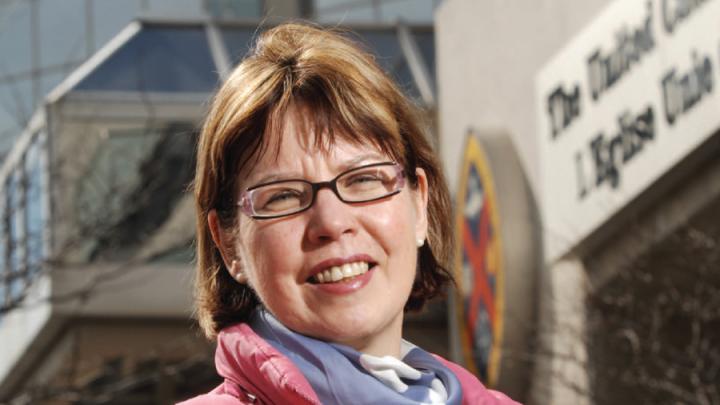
341	375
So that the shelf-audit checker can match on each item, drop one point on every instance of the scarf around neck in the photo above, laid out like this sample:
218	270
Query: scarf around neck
341	375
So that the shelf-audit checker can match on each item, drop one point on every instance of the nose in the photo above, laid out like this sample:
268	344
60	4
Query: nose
329	218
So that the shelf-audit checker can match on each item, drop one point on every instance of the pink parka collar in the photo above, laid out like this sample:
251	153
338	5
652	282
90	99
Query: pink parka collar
245	359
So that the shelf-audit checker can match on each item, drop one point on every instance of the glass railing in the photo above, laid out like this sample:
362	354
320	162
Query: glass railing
22	222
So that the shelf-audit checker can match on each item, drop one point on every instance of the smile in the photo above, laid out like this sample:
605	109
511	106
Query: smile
343	272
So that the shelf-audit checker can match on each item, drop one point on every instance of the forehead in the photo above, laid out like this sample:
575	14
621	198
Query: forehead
296	149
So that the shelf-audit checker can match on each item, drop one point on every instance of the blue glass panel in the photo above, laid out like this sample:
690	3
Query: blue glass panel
404	79
34	206
16	99
111	16
14	235
15	38
408	11
237	42
382	11
50	80
337	15
425	40
176	8
384	44
4	241
8	130
321	4
62	31
158	59
234	8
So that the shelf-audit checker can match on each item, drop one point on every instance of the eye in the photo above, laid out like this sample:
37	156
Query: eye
367	181
279	198
363	178
368	176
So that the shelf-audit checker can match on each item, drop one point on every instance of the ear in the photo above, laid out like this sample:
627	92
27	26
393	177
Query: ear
224	243
421	205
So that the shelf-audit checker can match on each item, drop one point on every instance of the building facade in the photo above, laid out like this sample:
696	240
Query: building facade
97	222
611	108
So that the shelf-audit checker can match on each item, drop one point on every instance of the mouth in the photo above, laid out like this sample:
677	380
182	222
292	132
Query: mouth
343	273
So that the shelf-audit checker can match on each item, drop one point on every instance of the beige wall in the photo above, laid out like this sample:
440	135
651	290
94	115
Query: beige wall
488	53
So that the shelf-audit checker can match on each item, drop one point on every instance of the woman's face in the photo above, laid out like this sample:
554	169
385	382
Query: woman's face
282	257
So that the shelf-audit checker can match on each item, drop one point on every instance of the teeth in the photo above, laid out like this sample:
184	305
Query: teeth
348	270
337	273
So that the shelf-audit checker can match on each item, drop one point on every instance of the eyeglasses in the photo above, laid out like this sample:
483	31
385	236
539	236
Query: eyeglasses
287	197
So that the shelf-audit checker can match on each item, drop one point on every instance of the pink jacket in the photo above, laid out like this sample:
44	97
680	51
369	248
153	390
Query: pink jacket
256	373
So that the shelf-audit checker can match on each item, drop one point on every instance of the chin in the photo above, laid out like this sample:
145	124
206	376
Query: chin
358	331
341	332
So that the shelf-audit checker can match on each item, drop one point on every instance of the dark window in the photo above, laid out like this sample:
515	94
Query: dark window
385	45
158	59
113	173
131	187
238	42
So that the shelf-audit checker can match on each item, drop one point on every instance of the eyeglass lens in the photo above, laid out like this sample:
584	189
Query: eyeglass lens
362	184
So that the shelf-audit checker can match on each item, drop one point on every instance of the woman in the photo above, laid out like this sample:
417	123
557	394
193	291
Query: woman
322	217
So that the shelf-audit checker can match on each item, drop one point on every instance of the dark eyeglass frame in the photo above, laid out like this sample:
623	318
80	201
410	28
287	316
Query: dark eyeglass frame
245	201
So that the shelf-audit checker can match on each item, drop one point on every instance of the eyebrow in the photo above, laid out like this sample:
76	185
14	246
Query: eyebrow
357	161
347	165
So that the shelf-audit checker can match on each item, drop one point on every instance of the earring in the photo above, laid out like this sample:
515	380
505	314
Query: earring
420	242
237	273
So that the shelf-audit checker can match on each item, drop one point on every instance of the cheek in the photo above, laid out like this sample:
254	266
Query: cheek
402	217
394	228
271	249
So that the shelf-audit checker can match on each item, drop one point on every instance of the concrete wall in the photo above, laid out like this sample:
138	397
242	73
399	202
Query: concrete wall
488	53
